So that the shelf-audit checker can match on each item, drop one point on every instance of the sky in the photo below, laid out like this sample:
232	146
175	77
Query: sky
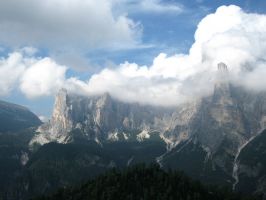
164	51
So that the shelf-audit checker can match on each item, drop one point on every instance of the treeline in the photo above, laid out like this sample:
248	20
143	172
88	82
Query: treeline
143	182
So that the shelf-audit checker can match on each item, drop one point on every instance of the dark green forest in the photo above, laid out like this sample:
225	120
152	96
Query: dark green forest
143	182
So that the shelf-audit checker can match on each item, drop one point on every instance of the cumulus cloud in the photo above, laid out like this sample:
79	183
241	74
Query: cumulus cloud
42	78
229	35
61	23
10	71
35	77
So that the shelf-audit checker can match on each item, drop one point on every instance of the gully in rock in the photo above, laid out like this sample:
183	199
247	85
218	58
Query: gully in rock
236	161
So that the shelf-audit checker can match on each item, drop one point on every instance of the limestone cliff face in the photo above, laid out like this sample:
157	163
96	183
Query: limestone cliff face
100	118
218	125
61	119
230	113
60	125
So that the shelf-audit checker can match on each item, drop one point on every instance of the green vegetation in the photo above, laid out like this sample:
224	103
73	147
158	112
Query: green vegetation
252	166
142	182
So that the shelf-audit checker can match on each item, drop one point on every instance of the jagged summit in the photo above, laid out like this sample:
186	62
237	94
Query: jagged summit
222	77
222	67
100	118
62	91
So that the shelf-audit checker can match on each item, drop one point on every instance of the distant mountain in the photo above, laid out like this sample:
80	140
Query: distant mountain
101	118
15	118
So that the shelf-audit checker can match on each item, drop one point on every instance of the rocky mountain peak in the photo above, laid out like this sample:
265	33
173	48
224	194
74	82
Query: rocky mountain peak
104	100
99	118
222	75
60	105
222	67
221	86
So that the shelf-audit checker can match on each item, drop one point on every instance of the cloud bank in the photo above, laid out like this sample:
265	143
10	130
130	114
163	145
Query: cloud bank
66	24
229	35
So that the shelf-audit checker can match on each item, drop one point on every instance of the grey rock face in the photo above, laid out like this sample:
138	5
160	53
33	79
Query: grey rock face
220	124
251	163
231	115
100	118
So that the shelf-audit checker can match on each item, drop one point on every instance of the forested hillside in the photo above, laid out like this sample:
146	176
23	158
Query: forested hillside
142	182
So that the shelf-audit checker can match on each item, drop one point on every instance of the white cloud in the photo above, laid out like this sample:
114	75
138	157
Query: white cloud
43	78
10	71
69	29
229	35
62	24
35	77
43	118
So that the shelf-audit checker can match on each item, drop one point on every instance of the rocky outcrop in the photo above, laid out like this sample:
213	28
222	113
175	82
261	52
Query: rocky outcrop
251	164
218	126
100	118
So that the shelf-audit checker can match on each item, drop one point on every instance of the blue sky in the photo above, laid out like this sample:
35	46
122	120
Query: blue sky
166	26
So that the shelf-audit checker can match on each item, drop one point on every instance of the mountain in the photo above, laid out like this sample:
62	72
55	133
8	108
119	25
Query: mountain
216	130
251	165
203	137
55	165
17	127
15	118
217	139
101	118
142	182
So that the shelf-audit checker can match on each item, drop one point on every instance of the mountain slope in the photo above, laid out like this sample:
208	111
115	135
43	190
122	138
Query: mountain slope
252	166
209	135
15	117
55	165
142	182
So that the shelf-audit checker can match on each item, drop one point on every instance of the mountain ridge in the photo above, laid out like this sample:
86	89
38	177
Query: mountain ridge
15	117
211	131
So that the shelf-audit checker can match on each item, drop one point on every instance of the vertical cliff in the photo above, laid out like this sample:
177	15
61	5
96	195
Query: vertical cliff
211	131
101	118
